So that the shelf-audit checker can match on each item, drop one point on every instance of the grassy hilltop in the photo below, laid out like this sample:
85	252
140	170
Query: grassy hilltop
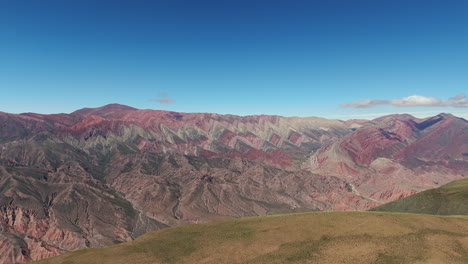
321	237
450	199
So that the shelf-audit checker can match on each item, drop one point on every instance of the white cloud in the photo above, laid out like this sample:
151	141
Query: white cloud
163	99
412	101
417	100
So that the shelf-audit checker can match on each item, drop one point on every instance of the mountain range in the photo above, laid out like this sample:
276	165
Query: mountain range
102	176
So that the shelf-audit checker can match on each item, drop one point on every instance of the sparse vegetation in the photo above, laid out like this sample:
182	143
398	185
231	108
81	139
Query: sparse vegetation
322	237
449	199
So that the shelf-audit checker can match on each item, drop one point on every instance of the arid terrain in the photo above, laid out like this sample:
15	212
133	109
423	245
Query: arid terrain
101	176
322	238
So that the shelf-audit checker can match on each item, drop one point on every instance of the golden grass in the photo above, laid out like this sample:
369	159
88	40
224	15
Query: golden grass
321	237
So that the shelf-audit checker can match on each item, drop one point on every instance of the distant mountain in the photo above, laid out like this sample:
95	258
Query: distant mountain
325	238
450	199
101	176
110	110
398	155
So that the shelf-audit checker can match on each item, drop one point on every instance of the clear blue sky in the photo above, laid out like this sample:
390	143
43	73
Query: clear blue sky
293	58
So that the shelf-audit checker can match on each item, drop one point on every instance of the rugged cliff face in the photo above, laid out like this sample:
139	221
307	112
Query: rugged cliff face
106	175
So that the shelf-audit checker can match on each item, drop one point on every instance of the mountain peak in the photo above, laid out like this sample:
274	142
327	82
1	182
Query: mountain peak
106	111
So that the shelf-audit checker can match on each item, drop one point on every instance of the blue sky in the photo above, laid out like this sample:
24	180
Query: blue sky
292	58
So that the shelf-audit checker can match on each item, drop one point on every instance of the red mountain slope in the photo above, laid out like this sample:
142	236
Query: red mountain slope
397	156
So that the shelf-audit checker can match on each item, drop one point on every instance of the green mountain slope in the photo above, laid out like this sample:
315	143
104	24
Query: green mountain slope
323	237
450	199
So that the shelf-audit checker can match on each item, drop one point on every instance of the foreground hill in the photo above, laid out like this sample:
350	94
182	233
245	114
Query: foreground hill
101	176
450	199
325	237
